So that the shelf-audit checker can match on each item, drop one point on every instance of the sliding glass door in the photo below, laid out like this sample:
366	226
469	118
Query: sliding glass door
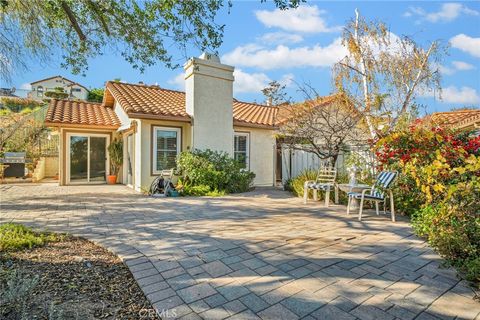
87	158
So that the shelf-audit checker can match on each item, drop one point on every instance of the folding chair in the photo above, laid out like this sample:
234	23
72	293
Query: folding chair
325	181
376	194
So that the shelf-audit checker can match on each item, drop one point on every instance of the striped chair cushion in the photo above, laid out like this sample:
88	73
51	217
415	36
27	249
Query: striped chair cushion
318	186
384	180
374	196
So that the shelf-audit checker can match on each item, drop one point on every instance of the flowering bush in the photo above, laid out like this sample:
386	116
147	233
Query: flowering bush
439	186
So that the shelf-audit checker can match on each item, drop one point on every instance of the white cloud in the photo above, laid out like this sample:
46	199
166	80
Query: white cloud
454	95
463	66
280	38
464	95
456	66
448	12
26	86
178	81
302	19
446	70
249	82
287	79
252	55
244	82
465	43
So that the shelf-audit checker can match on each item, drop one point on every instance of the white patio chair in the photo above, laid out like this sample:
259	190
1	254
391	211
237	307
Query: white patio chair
376	194
325	182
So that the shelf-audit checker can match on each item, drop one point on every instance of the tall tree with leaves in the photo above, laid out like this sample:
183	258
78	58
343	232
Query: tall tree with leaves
143	32
383	73
275	93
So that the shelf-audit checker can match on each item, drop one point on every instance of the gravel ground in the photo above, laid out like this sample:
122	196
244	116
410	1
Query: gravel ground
76	279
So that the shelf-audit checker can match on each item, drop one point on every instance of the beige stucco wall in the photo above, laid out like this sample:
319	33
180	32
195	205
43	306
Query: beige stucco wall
261	159
208	98
121	114
143	149
262	143
51	166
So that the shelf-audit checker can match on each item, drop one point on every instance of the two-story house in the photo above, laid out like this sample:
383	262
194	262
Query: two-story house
71	89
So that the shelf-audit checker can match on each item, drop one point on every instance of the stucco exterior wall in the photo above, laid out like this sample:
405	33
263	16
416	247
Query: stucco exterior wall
261	161
144	149
208	98
121	114
51	166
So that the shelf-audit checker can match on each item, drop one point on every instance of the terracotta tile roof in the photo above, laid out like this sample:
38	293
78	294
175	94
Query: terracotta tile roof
138	99
251	113
151	100
67	112
459	118
287	111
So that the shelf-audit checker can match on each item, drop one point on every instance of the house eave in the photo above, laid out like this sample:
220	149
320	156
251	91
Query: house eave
134	115
80	126
238	123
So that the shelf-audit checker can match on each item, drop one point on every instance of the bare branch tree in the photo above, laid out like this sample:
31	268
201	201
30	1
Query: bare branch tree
324	126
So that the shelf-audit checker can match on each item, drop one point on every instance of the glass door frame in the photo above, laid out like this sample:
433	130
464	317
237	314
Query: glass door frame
125	158
68	151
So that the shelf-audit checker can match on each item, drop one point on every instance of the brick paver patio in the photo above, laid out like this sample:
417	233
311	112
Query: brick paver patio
260	255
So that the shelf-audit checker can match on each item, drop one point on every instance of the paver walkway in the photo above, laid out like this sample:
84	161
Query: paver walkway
257	255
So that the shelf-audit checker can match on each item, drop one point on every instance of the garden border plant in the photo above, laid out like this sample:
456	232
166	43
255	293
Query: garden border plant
439	187
211	173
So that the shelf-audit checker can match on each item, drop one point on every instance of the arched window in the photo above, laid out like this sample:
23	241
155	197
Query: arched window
39	91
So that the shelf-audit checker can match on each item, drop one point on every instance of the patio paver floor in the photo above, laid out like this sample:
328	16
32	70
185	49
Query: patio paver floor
259	255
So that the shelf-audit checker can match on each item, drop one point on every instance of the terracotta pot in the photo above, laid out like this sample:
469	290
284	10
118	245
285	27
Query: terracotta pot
111	179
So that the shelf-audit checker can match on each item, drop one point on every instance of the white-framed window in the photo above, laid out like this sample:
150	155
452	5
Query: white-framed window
166	143
241	148
76	90
39	91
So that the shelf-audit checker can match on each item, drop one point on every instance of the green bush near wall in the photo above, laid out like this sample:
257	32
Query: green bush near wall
207	172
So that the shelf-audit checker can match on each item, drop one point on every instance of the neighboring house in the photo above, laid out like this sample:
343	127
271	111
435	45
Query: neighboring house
73	89
459	119
7	93
156	124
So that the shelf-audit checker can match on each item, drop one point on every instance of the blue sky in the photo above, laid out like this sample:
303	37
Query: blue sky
300	45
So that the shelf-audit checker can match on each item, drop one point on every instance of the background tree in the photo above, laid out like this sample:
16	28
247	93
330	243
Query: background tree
56	93
383	73
95	95
275	93
325	126
22	131
143	32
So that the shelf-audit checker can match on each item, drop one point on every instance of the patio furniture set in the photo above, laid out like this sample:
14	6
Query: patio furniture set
357	194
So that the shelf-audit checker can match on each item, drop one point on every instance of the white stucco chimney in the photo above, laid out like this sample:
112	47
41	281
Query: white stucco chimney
209	101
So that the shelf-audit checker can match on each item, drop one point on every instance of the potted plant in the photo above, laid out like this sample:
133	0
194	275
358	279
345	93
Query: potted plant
115	151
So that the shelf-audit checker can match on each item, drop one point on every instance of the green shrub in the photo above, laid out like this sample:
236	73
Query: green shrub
297	183
454	231
14	237
200	191
215	170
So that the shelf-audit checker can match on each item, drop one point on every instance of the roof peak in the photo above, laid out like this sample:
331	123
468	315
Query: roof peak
157	87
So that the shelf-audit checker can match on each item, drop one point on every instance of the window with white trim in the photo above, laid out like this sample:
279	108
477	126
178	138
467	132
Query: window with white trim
166	146
39	91
241	148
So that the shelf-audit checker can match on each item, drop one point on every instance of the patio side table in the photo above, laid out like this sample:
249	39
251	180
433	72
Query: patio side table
345	187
